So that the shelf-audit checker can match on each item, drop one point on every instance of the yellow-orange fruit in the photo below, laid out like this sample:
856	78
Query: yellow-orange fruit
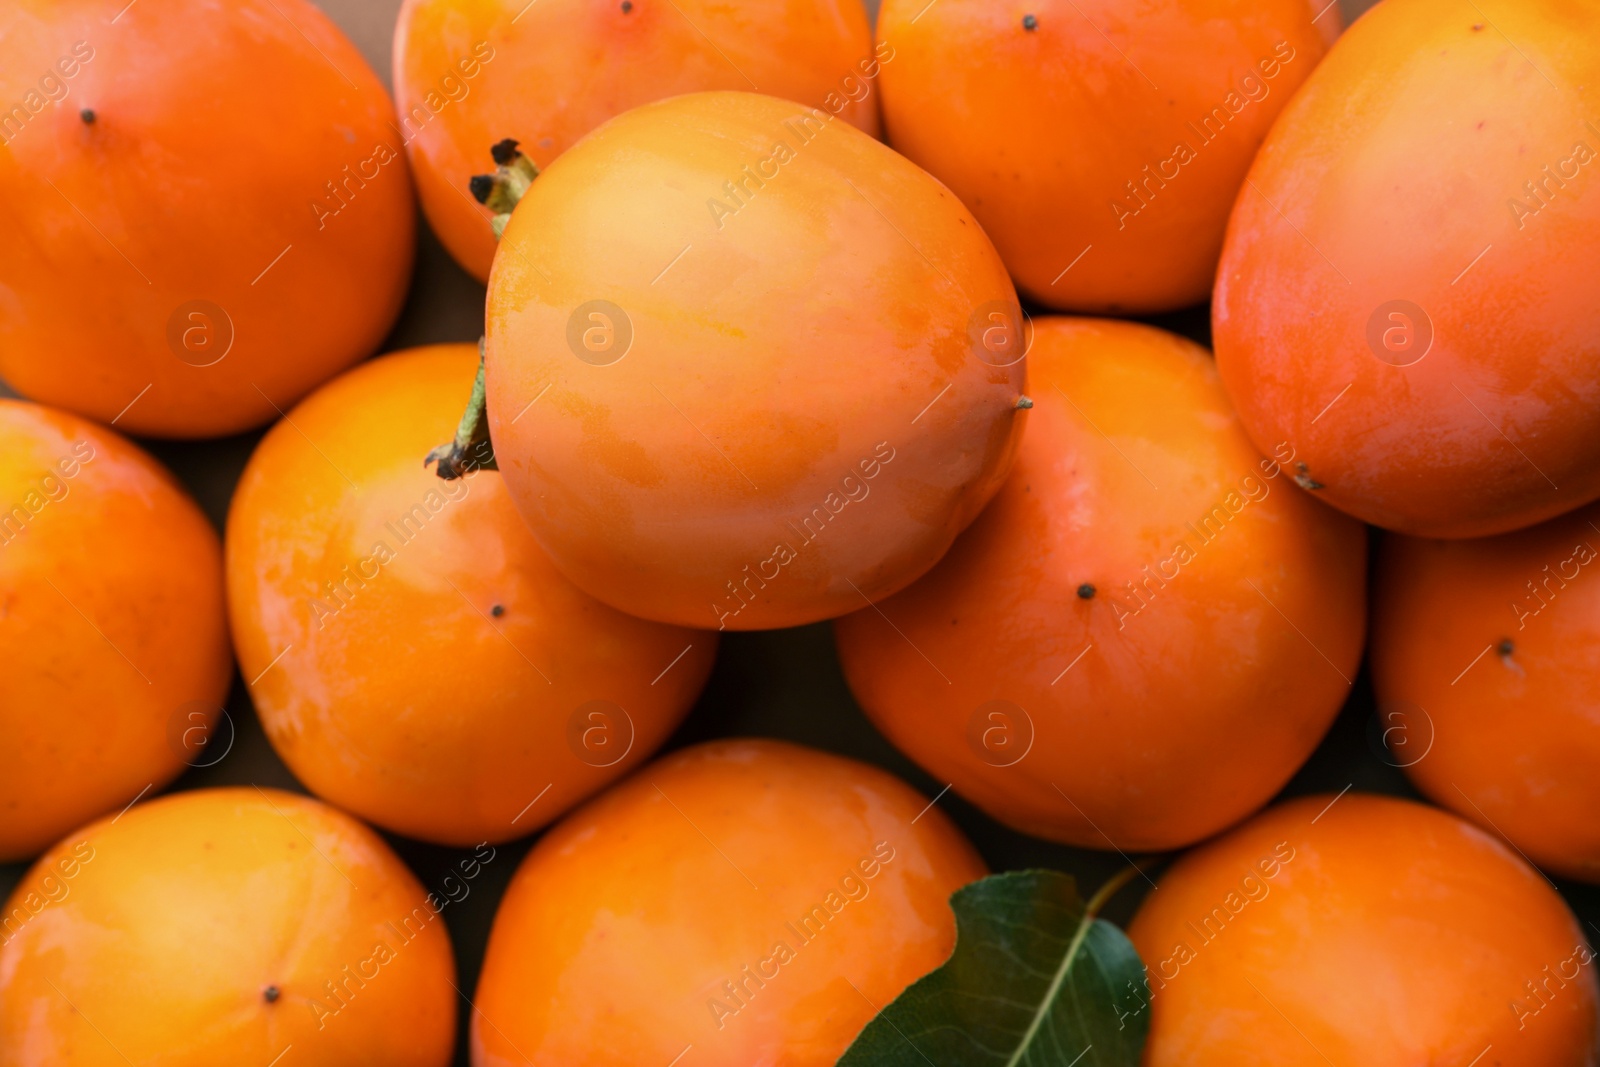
241	926
747	366
114	653
415	657
1148	630
1486	663
1362	930
754	899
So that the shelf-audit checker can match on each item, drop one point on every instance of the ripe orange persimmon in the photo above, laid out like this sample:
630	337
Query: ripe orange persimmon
210	214
747	411
1362	930
1407	292
1101	144
468	73
416	658
1486	659
113	635
225	926
753	899
1145	634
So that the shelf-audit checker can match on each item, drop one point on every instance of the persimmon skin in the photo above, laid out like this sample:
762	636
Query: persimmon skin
1041	130
112	624
439	683
221	926
217	129
468	73
1401	187
786	434
1486	659
1394	933
618	931
1156	708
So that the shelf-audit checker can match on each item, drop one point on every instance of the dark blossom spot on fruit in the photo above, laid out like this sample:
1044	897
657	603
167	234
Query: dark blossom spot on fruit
1477	27
627	6
87	115
1086	591
270	994
498	610
1505	648
1029	22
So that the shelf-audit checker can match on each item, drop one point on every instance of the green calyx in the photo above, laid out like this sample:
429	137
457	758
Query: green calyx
470	450
500	191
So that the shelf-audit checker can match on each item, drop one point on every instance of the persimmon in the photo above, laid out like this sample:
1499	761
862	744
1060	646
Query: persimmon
1361	929
747	367
210	214
1405	293
113	631
468	73
1101	145
1329	22
1485	665
415	657
755	900
1146	633
225	926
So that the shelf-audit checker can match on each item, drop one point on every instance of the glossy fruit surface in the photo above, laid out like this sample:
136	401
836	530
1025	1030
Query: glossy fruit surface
1362	929
1149	629
225	926
113	635
417	660
468	73
753	899
212	217
747	411
1100	143
1406	292
1486	662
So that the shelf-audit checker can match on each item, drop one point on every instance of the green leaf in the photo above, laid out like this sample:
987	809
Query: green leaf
1035	981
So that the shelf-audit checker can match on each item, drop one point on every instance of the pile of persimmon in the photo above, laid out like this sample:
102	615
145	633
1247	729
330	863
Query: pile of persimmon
788	317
